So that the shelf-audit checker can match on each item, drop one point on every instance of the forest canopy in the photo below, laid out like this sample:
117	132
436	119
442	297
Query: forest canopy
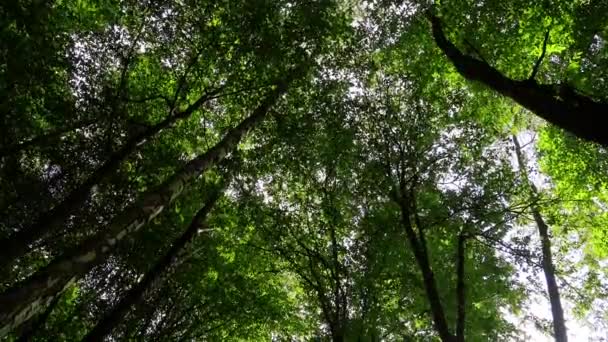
296	170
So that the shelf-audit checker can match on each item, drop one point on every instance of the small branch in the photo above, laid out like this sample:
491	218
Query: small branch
529	142
128	59
476	51
542	56
46	138
239	91
148	98
182	80
208	95
506	248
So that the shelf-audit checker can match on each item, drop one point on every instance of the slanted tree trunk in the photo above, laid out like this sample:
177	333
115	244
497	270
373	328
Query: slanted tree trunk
155	275
558	104
460	288
37	323
19	243
32	295
418	246
559	324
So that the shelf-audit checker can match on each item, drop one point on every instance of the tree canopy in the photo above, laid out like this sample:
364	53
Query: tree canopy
291	170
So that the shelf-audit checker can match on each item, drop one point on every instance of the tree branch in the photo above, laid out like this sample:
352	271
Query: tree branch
578	114
476	51
542	56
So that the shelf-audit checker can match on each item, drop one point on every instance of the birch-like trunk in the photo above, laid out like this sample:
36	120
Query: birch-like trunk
154	276
19	243
36	324
32	295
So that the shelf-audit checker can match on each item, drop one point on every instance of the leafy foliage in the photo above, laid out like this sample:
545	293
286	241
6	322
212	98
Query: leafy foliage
350	193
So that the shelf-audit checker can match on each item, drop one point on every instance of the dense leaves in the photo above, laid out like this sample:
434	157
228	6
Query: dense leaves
328	170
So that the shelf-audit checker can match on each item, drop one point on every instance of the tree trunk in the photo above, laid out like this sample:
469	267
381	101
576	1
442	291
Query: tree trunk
559	324
19	243
430	286
558	104
31	296
37	323
154	276
460	288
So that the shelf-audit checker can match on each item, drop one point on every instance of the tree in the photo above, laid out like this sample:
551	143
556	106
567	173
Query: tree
559	104
374	194
161	269
21	302
559	324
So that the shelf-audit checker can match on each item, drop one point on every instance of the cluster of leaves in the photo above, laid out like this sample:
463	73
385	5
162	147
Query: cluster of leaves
347	204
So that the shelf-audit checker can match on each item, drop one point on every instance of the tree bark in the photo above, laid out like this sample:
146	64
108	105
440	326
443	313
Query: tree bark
558	104
430	286
37	323
559	324
154	276
19	243
32	295
460	288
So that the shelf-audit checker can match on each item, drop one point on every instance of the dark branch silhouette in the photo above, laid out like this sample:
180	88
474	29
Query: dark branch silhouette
542	56
559	104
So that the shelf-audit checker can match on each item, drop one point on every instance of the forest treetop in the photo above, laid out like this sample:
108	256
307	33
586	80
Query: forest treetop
294	170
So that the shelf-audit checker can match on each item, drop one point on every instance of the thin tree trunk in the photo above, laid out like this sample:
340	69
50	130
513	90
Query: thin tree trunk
334	266
559	324
19	243
430	286
558	104
154	276
460	288
33	294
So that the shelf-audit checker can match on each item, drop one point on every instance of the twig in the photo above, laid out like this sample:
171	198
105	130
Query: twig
148	98
476	51
506	248
542	56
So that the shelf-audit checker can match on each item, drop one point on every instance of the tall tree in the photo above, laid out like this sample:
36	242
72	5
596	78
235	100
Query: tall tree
559	104
16	245
378	201
29	297
559	323
160	270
